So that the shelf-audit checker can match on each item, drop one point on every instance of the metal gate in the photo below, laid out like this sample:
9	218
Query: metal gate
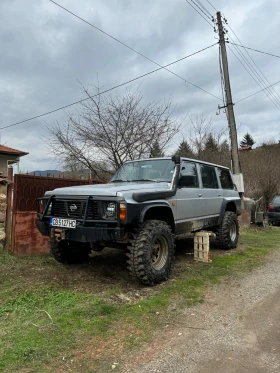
22	236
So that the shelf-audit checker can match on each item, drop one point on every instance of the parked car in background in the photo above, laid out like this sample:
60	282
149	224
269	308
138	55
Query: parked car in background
273	213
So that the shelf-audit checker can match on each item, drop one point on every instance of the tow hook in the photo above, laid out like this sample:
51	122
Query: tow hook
58	234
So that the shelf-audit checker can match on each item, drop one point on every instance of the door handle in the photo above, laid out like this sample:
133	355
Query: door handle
200	195
219	195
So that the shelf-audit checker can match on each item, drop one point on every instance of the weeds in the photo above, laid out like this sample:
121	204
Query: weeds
45	322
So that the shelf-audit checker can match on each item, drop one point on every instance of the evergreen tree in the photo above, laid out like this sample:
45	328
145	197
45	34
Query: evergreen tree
247	140
211	144
224	147
184	150
156	151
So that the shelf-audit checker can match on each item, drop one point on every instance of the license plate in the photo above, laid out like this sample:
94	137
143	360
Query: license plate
63	223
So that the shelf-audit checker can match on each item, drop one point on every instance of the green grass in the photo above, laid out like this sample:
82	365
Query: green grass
44	323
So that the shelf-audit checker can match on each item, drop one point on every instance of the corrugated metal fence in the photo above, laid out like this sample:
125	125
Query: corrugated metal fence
22	236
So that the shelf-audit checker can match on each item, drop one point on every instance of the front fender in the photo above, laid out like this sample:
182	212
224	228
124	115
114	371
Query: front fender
152	205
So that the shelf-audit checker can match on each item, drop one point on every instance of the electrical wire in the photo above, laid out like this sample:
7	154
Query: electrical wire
263	89
199	13
211	5
255	50
253	94
195	2
203	6
258	78
125	45
262	74
112	88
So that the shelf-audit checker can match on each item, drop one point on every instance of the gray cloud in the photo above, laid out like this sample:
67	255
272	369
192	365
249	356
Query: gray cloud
45	52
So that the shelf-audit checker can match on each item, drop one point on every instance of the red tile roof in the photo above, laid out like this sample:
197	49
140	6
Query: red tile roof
245	148
6	150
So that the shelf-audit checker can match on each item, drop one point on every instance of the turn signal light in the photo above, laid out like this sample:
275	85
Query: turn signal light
122	211
41	207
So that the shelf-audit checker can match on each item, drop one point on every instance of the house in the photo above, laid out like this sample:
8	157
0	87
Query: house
9	156
245	148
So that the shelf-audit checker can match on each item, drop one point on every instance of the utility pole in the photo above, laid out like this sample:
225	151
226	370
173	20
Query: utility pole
229	104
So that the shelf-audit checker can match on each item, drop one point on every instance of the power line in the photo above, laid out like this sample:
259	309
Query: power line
211	5
255	50
206	10
245	98
257	77
263	89
267	81
117	86
195	2
125	45
199	13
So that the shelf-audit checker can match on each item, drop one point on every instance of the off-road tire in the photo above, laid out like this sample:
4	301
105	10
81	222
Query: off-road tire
150	253
69	252
228	232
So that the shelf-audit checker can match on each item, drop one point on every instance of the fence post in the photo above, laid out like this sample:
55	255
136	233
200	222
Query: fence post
9	209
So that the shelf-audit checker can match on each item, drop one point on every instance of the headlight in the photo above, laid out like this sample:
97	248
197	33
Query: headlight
49	209
111	209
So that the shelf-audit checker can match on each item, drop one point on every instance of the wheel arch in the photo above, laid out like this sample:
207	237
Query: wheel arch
227	206
158	211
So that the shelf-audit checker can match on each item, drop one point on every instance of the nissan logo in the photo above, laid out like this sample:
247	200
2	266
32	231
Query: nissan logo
73	208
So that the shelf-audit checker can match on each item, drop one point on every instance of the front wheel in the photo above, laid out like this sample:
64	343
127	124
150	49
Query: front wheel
69	252
151	252
228	232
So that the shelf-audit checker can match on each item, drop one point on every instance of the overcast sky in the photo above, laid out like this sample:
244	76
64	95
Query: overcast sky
46	52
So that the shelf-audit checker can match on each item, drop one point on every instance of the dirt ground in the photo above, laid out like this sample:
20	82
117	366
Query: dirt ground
104	272
236	330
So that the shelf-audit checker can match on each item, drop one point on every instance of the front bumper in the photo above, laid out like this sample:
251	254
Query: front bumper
84	234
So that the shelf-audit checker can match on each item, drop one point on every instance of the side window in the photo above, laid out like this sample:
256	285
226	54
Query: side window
225	178
209	177
188	177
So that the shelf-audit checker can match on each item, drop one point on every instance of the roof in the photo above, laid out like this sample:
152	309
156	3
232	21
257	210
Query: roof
245	148
6	150
182	158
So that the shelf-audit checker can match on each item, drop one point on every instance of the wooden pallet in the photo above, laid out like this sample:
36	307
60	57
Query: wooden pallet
201	246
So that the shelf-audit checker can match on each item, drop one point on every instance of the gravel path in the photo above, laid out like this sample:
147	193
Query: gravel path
238	330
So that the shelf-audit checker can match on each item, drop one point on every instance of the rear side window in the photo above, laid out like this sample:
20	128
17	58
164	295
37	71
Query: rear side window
188	178
225	179
209	177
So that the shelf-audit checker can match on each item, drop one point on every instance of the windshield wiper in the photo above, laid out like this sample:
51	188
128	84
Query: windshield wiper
120	181
146	180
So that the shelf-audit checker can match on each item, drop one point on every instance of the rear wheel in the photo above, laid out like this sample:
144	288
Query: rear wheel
69	252
228	232
151	252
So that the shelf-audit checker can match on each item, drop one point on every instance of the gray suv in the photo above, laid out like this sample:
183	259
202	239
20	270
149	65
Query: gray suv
142	208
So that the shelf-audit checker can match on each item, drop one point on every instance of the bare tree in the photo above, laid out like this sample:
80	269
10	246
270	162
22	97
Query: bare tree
108	131
206	143
261	172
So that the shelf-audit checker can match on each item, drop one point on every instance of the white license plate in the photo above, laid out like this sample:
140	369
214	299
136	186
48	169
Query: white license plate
63	223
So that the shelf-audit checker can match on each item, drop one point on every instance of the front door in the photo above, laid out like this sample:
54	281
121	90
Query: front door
189	198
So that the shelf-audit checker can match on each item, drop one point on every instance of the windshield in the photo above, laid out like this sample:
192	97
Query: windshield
148	170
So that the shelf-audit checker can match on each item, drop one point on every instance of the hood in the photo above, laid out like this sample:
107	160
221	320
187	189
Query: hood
108	190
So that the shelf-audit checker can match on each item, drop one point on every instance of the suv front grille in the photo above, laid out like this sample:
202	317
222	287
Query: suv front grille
93	211
75	209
